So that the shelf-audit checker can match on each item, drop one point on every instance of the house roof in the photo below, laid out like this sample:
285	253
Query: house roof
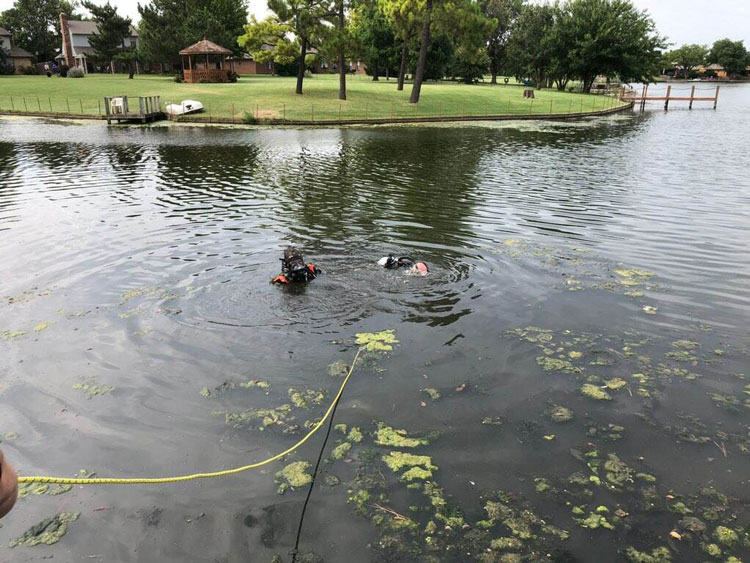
18	52
4	31
205	47
79	27
715	66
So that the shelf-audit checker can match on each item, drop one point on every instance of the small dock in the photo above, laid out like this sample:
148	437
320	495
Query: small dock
141	108
636	98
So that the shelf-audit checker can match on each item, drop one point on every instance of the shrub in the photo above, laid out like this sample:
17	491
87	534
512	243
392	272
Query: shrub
178	78
232	76
63	70
249	119
76	72
28	70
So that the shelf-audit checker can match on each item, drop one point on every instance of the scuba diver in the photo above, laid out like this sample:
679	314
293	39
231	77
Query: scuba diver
294	269
413	268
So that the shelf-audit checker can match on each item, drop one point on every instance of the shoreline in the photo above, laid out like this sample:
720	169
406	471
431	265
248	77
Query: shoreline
279	124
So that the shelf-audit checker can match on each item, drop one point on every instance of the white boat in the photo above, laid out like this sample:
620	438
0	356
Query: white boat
184	107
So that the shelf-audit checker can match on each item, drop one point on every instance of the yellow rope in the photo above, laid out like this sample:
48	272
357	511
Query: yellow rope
158	480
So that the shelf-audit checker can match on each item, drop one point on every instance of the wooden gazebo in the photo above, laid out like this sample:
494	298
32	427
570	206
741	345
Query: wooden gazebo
205	62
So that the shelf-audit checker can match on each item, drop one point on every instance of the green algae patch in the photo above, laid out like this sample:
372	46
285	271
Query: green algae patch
416	473
339	368
506	544
382	341
634	274
11	334
711	549
434	394
615	383
37	489
685	345
41	326
658	555
649	310
340	428
277	417
48	531
725	536
548	363
595	392
293	476
355	435
91	388
387	436
595	521
306	398
398	460
618	474
575	355
341	451
255	384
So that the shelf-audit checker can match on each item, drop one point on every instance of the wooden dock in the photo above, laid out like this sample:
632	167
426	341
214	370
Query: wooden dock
121	108
633	97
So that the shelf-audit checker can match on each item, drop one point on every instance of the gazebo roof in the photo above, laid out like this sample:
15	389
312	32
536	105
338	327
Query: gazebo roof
205	47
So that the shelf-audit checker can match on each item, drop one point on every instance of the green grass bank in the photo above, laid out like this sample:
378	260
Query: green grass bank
272	99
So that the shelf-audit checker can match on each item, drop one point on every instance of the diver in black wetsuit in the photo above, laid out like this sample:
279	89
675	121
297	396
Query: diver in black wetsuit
294	269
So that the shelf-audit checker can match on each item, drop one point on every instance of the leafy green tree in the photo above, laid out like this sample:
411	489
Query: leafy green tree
504	13
304	19
687	57
610	38
467	26
732	55
529	54
403	17
112	29
35	25
375	43
167	26
130	57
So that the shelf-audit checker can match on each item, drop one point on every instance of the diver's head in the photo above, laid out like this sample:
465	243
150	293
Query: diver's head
293	264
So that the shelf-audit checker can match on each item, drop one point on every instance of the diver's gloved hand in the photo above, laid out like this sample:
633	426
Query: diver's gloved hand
8	486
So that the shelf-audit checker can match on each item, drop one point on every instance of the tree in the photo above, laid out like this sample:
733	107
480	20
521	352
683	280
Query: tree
467	27
402	15
505	14
167	26
529	52
302	18
424	46
131	58
687	57
35	25
112	29
373	37
732	55
610	38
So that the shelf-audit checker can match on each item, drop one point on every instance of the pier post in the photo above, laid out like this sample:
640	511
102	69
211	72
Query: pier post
692	95
716	98
666	102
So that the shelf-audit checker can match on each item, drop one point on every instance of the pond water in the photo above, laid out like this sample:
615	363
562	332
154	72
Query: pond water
608	257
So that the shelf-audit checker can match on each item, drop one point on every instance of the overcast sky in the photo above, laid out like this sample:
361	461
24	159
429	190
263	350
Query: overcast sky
682	21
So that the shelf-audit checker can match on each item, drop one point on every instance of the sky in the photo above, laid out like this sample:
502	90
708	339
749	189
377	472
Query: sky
682	21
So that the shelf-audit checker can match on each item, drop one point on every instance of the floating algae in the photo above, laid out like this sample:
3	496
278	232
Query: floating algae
293	476
658	555
48	531
11	334
92	389
557	364
277	417
615	383
41	326
341	451
339	368
398	460
594	392
355	435
506	544
434	394
306	398
618	474
594	521
725	536
387	436
38	489
377	341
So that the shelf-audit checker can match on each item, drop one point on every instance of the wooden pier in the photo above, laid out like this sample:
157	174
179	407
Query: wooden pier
633	97
121	108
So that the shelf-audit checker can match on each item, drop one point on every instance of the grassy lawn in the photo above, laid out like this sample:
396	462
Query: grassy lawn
273	97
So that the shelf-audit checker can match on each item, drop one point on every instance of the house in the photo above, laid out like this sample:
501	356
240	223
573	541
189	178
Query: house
714	69
246	65
77	49
19	57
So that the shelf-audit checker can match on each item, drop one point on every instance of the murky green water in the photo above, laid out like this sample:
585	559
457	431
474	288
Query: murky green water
602	258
